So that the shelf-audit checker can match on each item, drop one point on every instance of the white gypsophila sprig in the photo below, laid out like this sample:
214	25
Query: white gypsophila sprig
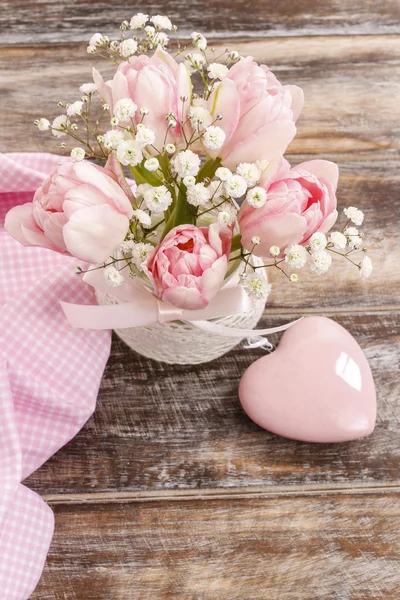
235	187
152	164
88	88
189	180
355	215
141	189
199	40
250	173
43	124
227	216
112	138
138	21
186	163
161	22
128	47
353	237
129	153
59	126
75	108
170	148
77	154
198	194
223	173
275	251
214	137
124	109
140	253
144	136
365	267
157	199
320	262
217	71
338	239
317	241
256	197
113	277
216	189
256	287
194	62
142	216
296	256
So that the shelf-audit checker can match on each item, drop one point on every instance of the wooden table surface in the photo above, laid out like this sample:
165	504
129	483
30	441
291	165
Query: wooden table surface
170	491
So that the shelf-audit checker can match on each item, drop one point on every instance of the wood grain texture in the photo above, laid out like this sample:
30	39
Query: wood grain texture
159	427
26	21
327	548
351	87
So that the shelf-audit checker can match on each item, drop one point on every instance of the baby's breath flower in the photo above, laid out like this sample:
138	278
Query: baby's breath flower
162	39
296	256
318	241
214	137
294	277
170	118
338	240
200	117
88	88
140	252
216	189
236	186
255	240
138	21
151	164
199	40
274	251
124	109
113	277
226	217
43	124
157	199
75	108
320	262
114	122
142	216
144	111
256	287
355	215
256	197
77	154
145	136
198	194
366	267
223	173
194	62
91	49
353	238
189	180
161	22
217	71
233	55
112	138
250	173
142	188
170	148
60	123
126	247
129	153
186	163
106	106
96	39
128	47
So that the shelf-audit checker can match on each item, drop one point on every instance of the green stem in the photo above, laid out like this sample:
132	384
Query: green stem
236	243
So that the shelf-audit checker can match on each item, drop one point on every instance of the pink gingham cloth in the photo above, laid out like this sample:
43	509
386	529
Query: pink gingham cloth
49	376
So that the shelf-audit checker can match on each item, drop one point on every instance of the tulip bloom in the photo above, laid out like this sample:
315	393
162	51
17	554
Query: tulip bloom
258	113
79	210
300	201
188	268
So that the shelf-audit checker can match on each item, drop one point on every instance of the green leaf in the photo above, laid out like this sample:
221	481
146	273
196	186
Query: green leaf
209	168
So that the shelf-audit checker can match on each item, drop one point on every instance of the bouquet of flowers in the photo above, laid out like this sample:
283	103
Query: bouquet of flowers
177	184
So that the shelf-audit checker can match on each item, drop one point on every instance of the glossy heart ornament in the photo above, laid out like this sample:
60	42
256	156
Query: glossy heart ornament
316	387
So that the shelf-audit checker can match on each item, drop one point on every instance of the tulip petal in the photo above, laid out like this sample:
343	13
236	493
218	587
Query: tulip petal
103	89
225	101
185	298
323	169
99	179
93	233
297	100
19	223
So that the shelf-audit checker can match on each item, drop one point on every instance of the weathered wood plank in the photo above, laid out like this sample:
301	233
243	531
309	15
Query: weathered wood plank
23	21
159	427
352	86
330	548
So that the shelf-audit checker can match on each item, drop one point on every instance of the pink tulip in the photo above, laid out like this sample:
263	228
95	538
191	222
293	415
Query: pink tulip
300	201
188	267
258	113
157	84
80	209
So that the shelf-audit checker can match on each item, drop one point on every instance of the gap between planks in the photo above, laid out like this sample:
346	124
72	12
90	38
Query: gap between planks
331	310
257	492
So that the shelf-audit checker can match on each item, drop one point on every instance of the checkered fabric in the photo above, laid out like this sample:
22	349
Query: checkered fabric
49	376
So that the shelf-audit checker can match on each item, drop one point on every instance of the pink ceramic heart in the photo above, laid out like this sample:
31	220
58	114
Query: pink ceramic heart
316	387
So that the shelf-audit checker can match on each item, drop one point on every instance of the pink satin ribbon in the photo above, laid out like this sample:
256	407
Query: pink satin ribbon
138	307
